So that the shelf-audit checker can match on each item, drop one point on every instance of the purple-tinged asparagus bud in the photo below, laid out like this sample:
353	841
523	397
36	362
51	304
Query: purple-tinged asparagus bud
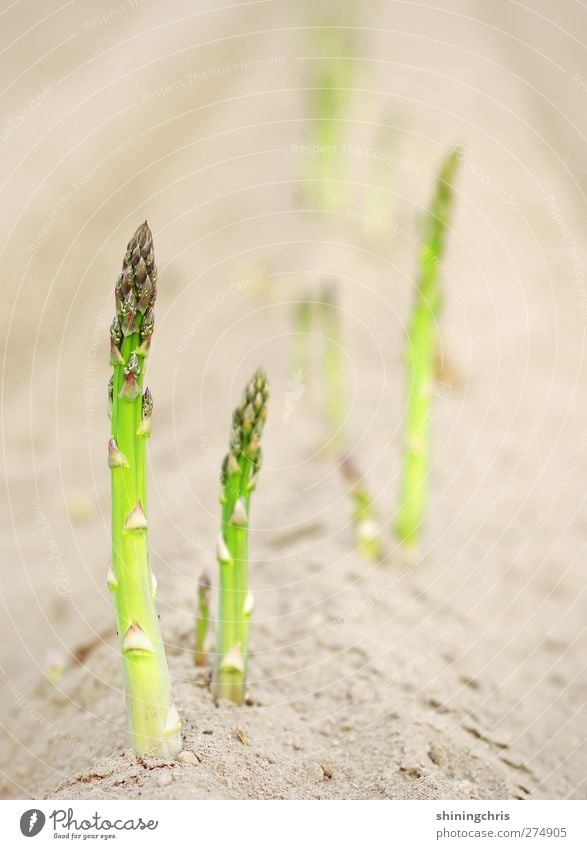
128	315
145	297
118	294
116	458
135	640
116	332
146	331
130	387
140	273
144	428
116	358
136	519
110	395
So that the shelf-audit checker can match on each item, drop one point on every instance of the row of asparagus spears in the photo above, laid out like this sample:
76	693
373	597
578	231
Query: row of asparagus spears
153	720
421	366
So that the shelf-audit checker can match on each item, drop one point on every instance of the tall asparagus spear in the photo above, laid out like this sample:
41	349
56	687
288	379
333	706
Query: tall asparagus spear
421	354
153	721
239	476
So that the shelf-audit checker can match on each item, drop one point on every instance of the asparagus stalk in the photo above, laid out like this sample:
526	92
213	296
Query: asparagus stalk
153	721
239	476
363	516
421	355
202	621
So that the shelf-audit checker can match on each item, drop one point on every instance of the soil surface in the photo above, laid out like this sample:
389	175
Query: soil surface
457	674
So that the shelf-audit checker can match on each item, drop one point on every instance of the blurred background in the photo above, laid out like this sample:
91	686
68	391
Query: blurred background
275	147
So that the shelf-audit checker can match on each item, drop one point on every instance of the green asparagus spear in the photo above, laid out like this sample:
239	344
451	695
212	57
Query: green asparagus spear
239	476
153	721
421	355
202	621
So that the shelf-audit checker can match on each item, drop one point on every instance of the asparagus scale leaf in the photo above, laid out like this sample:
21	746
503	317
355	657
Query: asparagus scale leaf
153	721
421	355
239	477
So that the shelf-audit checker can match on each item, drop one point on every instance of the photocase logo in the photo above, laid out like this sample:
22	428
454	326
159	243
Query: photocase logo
32	822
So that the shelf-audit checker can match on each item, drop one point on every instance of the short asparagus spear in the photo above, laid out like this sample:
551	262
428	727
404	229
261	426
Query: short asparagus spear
153	721
202	621
421	355
239	476
364	517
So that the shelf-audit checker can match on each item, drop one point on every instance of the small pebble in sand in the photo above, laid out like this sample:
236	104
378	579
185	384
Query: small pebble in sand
438	756
240	735
329	768
164	779
186	757
315	771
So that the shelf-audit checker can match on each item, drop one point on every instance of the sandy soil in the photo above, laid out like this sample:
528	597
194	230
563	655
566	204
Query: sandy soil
460	676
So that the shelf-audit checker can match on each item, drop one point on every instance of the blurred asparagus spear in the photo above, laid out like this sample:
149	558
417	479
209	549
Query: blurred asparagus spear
202	621
331	94
363	513
421	354
239	477
153	721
